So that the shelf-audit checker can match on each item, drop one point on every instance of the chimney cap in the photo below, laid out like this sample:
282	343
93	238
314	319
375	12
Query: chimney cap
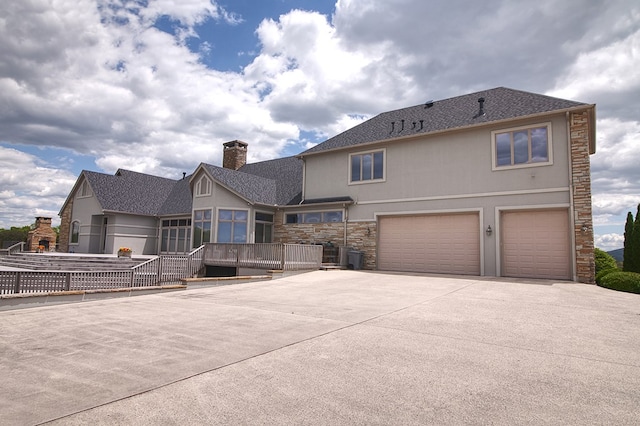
235	143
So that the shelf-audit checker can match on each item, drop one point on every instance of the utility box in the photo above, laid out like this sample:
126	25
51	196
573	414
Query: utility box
355	259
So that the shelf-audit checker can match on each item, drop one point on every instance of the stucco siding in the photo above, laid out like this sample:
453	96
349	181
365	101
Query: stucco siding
456	163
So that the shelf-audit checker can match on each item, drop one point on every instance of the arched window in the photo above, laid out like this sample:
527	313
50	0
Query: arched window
75	232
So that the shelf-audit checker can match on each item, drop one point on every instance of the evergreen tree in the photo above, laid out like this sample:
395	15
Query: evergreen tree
631	259
635	252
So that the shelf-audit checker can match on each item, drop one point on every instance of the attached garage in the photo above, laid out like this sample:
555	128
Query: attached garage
436	243
536	244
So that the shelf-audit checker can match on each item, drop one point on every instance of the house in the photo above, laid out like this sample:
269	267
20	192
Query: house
493	183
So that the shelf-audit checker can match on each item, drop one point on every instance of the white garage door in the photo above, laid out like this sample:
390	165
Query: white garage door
536	244
445	244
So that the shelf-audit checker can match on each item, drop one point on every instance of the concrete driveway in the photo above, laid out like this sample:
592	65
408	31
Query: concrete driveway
334	347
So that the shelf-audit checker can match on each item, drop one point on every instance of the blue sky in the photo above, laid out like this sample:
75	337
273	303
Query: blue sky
157	86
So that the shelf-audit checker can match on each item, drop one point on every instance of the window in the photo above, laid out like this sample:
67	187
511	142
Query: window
522	147
314	217
175	236
264	227
85	190
366	167
75	232
201	227
232	226
203	187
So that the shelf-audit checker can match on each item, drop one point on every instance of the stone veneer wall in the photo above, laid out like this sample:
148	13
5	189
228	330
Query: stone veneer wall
581	182
360	235
65	227
307	233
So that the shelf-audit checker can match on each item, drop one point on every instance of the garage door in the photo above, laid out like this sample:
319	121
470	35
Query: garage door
536	244
445	244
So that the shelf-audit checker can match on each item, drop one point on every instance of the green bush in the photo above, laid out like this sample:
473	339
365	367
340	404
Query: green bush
603	273
622	281
604	261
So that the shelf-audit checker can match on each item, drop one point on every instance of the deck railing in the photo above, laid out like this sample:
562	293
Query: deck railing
156	271
286	257
16	248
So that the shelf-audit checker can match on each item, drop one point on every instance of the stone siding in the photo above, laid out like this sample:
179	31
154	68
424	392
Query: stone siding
581	182
65	227
360	236
363	236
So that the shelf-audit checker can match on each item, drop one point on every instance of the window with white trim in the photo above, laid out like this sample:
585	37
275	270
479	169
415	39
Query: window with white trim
232	226
201	227
176	236
75	232
85	190
522	146
263	227
203	186
366	167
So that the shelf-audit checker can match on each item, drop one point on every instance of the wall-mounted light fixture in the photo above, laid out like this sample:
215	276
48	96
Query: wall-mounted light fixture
489	231
368	232
585	229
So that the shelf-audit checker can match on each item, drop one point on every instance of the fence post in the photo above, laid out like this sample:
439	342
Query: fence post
282	252
16	289
160	271
67	284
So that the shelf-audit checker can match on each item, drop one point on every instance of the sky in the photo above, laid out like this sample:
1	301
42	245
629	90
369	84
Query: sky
156	86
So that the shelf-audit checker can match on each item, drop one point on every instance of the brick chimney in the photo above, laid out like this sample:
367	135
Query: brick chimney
235	155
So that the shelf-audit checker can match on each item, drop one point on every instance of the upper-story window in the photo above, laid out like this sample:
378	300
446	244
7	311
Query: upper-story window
85	189
366	167
522	146
203	186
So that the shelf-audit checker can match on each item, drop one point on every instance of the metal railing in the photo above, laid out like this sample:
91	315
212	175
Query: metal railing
286	257
160	269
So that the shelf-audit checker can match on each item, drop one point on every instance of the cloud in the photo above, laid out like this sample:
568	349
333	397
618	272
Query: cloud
29	185
609	242
103	78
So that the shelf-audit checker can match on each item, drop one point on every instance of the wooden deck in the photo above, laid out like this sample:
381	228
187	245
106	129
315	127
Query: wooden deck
285	257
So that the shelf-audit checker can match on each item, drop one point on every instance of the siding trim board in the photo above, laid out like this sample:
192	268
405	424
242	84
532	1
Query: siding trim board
462	196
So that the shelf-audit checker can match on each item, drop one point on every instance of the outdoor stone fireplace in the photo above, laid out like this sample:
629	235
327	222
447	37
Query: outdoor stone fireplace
42	236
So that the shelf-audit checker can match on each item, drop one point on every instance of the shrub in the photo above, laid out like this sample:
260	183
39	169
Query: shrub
604	261
622	281
602	273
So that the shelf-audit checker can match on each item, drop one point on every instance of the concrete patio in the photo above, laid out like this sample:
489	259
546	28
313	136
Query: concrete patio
329	347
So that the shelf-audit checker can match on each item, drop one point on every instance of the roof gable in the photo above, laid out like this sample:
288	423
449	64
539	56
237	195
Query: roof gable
435	116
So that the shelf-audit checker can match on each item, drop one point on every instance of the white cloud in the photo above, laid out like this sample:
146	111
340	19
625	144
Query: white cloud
609	242
30	188
97	77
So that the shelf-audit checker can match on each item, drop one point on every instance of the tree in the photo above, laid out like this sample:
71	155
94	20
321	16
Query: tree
631	259
13	235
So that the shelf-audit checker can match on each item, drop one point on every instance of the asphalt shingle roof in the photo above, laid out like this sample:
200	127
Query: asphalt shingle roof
268	182
130	192
179	201
462	111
